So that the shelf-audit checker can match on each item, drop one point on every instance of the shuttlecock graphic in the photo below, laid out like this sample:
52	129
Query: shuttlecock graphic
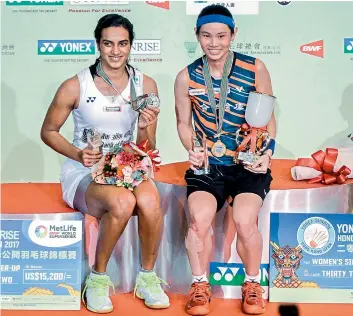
316	236
191	48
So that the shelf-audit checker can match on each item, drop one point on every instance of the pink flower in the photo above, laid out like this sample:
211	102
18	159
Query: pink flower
125	158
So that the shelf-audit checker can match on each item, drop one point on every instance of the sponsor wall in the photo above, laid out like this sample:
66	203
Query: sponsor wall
307	49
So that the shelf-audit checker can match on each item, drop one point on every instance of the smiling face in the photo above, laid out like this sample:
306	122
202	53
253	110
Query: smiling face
215	40
114	47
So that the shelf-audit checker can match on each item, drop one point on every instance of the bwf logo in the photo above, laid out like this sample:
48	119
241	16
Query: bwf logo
315	49
160	4
66	47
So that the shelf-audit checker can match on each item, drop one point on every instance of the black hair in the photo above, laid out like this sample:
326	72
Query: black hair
215	9
112	20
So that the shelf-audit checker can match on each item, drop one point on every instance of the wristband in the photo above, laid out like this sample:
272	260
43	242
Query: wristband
271	145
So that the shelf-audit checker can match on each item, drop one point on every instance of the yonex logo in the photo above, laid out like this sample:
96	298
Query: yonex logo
90	99
227	273
66	47
30	3
233	274
348	45
284	3
48	47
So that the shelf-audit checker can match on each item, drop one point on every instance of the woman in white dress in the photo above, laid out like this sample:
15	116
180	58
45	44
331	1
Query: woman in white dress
99	98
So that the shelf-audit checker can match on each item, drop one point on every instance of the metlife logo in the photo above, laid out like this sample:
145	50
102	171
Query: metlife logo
66	47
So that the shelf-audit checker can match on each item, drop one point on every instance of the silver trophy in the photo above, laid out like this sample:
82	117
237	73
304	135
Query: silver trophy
94	141
201	147
253	138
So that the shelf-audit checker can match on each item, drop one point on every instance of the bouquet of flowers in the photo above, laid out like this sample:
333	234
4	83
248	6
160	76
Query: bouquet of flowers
127	166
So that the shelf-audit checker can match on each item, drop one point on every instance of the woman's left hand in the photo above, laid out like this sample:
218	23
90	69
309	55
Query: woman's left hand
261	165
147	117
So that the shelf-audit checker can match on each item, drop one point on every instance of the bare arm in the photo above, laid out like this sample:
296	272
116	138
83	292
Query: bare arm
183	109
65	100
63	103
264	85
148	132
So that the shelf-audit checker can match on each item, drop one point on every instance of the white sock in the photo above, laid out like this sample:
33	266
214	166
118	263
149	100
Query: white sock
145	271
252	278
199	278
94	272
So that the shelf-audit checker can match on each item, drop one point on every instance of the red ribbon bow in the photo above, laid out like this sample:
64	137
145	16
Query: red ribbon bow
325	163
152	153
251	137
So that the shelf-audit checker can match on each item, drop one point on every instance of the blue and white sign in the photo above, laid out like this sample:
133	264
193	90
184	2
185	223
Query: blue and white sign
311	258
40	264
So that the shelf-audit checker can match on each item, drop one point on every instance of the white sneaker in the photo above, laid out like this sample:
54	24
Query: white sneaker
148	288
95	294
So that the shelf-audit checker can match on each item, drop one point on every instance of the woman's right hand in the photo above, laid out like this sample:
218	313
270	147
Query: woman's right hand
196	159
89	157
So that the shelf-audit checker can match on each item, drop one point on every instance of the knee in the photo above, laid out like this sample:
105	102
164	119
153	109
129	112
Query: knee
122	205
192	241
200	224
149	203
245	228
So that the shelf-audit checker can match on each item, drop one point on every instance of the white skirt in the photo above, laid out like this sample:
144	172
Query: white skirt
72	172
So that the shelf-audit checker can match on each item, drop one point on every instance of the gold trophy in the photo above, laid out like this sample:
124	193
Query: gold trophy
201	147
253	138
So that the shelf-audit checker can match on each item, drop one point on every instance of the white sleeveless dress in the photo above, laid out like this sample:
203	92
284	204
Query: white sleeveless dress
115	122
